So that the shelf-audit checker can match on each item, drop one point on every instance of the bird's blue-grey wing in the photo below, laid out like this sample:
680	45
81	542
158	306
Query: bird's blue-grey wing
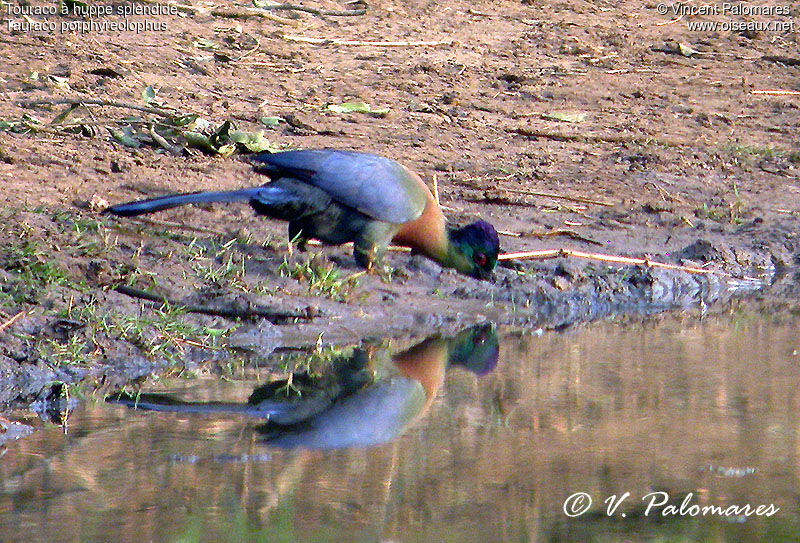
376	186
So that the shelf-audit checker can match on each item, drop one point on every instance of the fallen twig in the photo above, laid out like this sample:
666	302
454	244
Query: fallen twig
594	138
776	92
560	232
227	312
97	102
558	253
356	43
673	21
314	11
12	320
580	199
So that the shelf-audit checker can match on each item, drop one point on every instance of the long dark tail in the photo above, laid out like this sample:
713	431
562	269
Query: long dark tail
131	209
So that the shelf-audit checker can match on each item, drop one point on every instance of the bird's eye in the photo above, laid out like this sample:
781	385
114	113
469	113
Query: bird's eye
480	259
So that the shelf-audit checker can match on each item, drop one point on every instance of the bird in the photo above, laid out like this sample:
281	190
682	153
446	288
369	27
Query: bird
349	405
338	196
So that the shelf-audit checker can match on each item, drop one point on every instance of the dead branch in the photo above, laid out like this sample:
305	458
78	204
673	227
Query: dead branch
356	43
776	92
558	253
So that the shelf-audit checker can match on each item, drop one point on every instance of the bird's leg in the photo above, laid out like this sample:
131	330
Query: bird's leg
365	255
369	247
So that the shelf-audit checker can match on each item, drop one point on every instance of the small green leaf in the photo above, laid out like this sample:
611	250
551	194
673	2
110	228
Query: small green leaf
125	136
686	50
149	95
199	125
199	141
255	142
29	119
227	149
222	135
202	43
350	107
271	122
565	116
60	82
225	129
357	107
183	120
61	117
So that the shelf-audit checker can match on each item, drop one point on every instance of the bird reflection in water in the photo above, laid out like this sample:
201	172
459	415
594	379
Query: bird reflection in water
347	406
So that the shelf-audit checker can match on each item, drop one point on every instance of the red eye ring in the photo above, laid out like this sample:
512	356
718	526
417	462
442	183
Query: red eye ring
480	259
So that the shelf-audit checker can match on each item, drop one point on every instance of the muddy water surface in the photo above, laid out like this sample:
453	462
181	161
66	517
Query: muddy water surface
686	415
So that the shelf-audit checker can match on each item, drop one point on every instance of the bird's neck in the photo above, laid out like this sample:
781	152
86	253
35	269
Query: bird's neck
443	249
425	363
427	235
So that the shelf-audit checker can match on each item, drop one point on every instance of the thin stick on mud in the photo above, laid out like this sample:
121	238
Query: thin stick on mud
228	313
314	11
12	320
97	102
581	199
776	92
356	43
673	21
557	253
596	138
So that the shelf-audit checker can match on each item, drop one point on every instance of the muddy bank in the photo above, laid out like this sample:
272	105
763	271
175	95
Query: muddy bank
92	334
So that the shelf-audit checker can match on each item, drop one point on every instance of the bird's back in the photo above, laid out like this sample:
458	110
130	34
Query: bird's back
376	186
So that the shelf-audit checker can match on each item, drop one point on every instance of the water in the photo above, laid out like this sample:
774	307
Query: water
706	410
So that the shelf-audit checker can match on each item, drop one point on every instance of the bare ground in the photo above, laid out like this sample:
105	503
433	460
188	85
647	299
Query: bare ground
653	140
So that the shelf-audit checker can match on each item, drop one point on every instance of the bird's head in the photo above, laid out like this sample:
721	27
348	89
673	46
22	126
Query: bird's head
476	349
474	248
